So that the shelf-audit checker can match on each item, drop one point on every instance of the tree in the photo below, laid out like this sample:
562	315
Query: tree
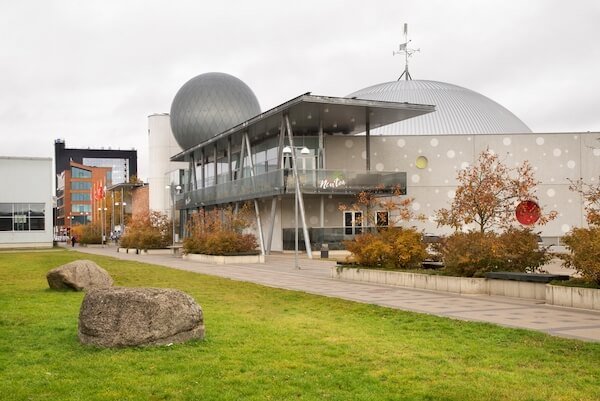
591	197
148	230
488	193
398	209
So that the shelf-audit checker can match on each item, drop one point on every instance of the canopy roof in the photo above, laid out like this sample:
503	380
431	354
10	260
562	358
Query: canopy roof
307	113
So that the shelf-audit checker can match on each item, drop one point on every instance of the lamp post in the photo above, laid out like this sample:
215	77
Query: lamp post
174	191
287	152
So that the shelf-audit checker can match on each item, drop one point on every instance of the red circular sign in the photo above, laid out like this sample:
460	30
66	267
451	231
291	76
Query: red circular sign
528	212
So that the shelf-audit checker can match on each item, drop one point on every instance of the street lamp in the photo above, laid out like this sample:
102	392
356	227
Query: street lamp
173	191
287	151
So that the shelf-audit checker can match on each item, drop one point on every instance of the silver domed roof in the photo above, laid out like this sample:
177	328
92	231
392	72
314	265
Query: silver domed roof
458	110
209	104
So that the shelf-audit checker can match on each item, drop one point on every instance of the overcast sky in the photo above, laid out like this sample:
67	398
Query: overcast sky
90	72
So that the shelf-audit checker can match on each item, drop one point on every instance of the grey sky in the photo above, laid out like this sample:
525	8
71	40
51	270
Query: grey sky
90	72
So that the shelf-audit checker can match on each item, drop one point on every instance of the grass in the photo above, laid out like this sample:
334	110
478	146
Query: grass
269	344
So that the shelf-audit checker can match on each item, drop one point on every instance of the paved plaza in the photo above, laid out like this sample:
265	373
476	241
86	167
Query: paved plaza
314	277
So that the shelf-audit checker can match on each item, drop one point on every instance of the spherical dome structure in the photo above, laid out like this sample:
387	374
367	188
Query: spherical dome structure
208	105
458	110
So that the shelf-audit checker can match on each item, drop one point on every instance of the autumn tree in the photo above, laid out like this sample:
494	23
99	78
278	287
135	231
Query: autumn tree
488	193
398	208
584	243
149	230
591	198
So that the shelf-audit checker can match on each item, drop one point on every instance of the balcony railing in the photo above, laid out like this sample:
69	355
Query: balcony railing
280	182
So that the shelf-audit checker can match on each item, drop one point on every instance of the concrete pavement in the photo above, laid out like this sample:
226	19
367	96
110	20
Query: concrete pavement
313	277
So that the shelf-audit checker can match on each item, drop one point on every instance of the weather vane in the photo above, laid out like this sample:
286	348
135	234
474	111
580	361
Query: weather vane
404	49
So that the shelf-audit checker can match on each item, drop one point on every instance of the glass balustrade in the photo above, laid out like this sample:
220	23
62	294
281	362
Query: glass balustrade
279	182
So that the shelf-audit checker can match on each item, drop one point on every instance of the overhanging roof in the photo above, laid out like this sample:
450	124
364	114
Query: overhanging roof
337	115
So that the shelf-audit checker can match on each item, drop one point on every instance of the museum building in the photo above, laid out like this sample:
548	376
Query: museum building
313	153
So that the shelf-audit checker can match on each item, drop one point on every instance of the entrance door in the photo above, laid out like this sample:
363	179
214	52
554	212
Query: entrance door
352	222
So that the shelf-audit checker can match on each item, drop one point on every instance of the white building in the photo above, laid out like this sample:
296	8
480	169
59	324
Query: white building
26	202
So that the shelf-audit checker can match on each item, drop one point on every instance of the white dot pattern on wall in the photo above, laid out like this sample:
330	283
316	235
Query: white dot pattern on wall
571	164
363	155
349	143
314	220
434	142
565	228
401	143
539	140
415	178
451	194
596	152
379	167
551	192
416	206
450	154
464	165
506	141
556	152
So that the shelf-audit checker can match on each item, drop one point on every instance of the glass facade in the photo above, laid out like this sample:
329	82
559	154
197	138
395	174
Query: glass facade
22	217
80	173
76	208
81	185
119	167
76	196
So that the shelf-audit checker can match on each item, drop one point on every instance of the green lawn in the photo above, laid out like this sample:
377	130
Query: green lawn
268	344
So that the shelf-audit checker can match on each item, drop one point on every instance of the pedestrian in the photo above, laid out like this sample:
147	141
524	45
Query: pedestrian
73	241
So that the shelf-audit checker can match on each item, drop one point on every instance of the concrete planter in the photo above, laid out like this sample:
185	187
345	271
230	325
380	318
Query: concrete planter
574	297
145	252
457	285
224	260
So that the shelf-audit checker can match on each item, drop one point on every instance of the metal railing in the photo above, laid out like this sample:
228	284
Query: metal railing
279	182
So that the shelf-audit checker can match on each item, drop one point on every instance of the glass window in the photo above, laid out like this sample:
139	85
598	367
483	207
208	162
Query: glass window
75	196
80	173
37	224
6	224
382	219
6	210
81	185
81	208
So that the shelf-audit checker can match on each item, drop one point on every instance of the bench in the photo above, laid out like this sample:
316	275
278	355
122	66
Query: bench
529	277
176	249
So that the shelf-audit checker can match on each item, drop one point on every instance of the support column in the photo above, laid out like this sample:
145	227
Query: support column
368	138
261	240
298	188
272	225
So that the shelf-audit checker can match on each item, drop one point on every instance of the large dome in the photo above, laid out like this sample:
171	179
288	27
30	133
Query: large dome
208	105
458	110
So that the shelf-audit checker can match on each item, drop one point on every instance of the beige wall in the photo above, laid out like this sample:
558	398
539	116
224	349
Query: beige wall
556	157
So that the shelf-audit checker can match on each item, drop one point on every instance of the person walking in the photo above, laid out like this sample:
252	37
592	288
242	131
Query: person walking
73	241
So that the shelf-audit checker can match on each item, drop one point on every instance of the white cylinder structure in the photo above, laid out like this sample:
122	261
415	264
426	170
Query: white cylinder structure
161	146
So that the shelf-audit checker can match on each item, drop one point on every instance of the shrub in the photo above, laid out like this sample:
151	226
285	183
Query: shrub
390	248
150	230
220	231
584	244
474	253
87	233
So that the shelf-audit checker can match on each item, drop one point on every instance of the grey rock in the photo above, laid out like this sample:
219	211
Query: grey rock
121	317
78	275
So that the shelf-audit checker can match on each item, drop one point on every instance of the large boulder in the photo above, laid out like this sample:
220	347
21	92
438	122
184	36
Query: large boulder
78	275
121	317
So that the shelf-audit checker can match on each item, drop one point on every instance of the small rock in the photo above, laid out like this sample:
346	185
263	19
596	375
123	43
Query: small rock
121	317
78	275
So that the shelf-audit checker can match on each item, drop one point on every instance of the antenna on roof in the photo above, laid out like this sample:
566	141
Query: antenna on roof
403	49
